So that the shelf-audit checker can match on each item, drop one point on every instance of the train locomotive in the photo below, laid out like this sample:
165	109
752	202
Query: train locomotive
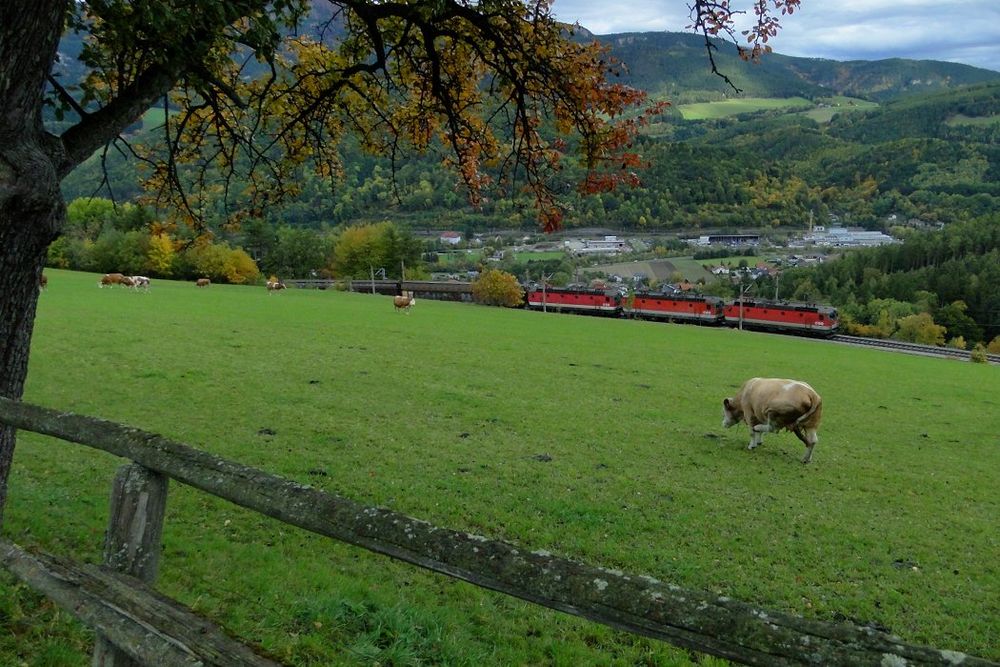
575	300
801	318
775	316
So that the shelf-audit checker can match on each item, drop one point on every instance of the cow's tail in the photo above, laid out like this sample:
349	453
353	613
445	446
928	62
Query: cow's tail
816	403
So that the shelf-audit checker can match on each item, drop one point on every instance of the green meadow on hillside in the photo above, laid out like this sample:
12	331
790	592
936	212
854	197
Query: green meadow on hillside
593	438
828	107
734	107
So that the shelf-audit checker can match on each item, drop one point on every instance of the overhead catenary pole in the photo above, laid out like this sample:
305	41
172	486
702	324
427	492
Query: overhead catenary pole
743	291
545	281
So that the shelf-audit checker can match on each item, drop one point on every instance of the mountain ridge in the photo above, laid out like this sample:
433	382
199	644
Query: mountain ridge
665	62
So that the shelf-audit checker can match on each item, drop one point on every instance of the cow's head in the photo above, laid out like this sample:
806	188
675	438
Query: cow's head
732	412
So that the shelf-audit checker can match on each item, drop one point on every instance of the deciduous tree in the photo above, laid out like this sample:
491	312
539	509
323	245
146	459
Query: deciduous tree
497	288
399	75
920	328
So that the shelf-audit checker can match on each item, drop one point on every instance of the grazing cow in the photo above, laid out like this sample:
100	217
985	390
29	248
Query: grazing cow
111	279
203	282
404	302
274	286
772	404
140	282
43	281
128	281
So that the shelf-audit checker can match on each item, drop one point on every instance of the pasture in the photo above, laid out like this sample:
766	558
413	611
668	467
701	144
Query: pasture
661	270
827	108
740	105
592	438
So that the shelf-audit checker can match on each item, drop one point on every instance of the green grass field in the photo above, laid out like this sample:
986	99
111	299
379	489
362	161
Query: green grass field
444	414
540	256
838	104
734	107
978	121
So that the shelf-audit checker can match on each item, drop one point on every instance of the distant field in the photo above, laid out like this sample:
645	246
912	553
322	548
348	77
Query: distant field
710	110
839	104
538	256
658	269
449	259
153	118
692	269
445	414
980	121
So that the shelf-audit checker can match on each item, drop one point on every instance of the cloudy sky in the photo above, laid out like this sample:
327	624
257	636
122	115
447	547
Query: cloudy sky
963	31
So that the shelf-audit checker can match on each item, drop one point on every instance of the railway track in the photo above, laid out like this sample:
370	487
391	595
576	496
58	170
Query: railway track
910	348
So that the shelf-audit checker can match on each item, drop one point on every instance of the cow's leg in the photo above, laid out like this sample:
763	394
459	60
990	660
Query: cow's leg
756	438
809	438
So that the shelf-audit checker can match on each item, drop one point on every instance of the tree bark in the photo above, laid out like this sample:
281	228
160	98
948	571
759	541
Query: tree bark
31	205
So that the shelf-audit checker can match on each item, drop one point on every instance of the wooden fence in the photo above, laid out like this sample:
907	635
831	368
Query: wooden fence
137	624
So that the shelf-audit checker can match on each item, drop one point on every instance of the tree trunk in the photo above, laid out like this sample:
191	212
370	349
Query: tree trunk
31	205
22	257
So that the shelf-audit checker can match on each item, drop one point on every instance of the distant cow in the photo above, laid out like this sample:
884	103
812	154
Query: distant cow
111	279
43	281
140	282
772	404
404	302
274	286
203	282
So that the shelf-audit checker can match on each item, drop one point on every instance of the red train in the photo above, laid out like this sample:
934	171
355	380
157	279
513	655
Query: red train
778	316
575	300
802	318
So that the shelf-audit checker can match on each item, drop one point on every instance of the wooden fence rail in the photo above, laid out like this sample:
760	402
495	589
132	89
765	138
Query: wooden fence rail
688	618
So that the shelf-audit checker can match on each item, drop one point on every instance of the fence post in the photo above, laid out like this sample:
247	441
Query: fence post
132	543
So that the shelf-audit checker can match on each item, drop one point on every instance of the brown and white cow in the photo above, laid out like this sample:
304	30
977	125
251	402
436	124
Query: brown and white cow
202	282
43	281
274	286
111	279
404	301
773	404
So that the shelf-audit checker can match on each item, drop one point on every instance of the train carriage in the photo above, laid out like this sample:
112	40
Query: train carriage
575	300
677	307
801	318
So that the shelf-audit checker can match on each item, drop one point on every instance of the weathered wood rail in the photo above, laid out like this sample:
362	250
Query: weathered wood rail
688	618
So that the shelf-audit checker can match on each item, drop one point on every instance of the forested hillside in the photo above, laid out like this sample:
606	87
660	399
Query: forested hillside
934	158
945	282
675	65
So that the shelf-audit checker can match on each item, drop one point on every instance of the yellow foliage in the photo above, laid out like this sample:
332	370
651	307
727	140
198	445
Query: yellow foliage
240	268
994	346
978	354
920	328
160	256
497	288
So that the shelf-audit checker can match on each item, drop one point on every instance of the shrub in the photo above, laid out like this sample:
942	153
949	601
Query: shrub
497	288
978	354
